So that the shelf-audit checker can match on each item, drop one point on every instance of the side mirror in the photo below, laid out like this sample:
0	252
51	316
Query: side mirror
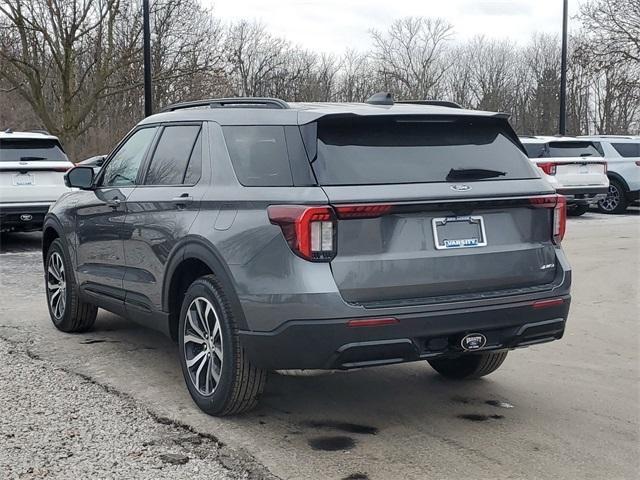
79	177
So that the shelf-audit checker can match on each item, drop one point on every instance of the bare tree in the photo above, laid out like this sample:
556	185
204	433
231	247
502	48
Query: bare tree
410	56
615	27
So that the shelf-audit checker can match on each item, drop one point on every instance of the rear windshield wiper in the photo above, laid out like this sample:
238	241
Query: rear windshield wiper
26	159
473	173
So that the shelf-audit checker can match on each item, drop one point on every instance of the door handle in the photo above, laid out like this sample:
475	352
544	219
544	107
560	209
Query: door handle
114	203
183	200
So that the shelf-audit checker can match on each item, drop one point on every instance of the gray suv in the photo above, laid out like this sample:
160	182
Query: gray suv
264	235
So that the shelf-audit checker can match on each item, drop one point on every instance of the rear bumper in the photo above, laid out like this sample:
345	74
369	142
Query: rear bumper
584	195
332	344
27	216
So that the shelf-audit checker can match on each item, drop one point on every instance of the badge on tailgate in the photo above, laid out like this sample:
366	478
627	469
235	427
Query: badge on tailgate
459	232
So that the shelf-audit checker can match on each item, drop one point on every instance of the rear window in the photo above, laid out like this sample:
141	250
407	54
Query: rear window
259	155
371	151
627	150
19	149
172	155
534	150
572	149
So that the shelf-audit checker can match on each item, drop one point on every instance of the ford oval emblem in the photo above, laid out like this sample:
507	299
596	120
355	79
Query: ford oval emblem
25	217
473	341
460	187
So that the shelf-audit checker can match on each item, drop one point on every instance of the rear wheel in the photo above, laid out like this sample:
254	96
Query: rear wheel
68	313
577	210
219	376
616	200
474	365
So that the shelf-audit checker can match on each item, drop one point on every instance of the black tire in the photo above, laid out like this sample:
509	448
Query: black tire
76	316
616	201
577	210
468	366
240	383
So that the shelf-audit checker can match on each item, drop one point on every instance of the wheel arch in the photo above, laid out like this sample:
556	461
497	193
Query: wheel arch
191	259
618	178
51	230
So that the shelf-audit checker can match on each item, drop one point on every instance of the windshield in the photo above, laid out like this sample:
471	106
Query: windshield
29	149
572	149
370	151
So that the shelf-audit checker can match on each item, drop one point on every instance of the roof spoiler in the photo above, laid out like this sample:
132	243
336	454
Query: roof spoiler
236	102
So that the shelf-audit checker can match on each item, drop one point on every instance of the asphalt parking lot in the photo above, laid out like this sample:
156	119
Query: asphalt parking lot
569	409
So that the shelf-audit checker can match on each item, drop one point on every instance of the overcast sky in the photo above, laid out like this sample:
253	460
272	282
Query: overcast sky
333	25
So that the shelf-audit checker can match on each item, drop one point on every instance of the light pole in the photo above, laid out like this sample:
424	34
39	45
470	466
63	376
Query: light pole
146	34
562	127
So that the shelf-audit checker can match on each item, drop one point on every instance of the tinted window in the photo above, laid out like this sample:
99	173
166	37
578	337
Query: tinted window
360	151
627	149
259	155
572	149
122	169
171	156
15	150
534	150
194	168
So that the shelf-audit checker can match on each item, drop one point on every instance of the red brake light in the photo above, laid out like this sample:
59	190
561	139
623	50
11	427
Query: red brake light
309	231
64	168
559	217
554	302
547	167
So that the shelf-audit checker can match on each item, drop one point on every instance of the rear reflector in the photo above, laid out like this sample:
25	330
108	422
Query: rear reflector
372	322
554	302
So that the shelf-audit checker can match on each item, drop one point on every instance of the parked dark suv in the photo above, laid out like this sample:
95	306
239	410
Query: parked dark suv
265	235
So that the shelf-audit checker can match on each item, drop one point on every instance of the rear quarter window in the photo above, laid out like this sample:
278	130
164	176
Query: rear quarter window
534	150
388	150
627	150
28	149
259	155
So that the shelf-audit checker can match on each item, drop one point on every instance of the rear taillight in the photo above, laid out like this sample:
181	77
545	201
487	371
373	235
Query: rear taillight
309	231
362	211
64	168
547	167
559	217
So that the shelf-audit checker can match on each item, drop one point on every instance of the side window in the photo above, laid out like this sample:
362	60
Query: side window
259	155
171	156
122	169
627	150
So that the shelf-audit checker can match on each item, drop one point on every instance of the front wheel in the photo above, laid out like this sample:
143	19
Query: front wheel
68	312
218	374
473	365
615	201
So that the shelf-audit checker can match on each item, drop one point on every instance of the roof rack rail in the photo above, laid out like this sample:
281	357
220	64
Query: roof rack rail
247	102
38	130
527	136
437	103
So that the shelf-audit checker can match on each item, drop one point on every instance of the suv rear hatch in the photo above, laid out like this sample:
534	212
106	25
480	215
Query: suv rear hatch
430	207
574	163
32	170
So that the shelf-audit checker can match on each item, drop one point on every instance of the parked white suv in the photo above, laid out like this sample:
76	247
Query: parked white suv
574	166
622	154
32	167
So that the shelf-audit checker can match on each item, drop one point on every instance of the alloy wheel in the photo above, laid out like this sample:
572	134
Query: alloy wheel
203	346
56	285
611	202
